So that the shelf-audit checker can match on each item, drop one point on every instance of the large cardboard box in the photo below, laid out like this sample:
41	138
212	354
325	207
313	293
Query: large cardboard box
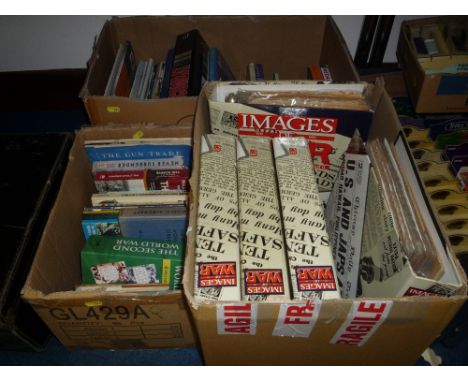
431	93
94	320
359	331
283	44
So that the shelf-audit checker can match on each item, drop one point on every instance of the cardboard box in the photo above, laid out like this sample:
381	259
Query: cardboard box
94	320
355	331
283	44
431	93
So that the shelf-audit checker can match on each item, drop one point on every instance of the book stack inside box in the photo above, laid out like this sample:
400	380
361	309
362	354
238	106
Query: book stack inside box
135	225
303	146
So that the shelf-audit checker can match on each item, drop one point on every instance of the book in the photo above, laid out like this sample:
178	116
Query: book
264	268
100	222
167	74
190	67
345	220
218	68
123	72
289	109
141	289
162	149
143	76
255	72
217	258
314	72
175	163
115	199
163	222
142	180
158	80
109	259
311	266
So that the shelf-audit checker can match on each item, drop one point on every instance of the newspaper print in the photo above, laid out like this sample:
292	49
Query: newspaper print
311	265
345	220
264	273
217	234
326	149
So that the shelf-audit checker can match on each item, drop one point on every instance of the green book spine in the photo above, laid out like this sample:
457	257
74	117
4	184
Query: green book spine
109	259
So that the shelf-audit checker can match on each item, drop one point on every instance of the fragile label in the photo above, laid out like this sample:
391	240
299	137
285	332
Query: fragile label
297	320
237	319
362	322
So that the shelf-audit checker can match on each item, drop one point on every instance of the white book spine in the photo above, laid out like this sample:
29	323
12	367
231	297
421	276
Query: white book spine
311	265
217	233
264	272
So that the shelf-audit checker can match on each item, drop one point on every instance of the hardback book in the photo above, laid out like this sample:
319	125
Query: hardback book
190	68
100	222
403	251
217	272
311	266
116	199
345	220
264	267
123	72
167	74
110	259
142	180
165	149
163	222
218	68
163	164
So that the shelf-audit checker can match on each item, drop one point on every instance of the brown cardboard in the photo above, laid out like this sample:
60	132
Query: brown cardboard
410	327
283	44
423	88
88	319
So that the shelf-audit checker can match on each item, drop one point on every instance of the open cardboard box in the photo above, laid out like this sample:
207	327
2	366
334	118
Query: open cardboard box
241	333
283	44
94	320
431	93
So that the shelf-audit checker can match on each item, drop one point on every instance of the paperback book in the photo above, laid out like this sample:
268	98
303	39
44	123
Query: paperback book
264	268
154	222
311	265
217	272
108	259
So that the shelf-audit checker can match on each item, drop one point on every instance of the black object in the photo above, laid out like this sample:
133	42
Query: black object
32	166
373	41
190	66
365	40
382	34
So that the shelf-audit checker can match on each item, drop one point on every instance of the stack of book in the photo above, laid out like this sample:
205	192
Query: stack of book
135	226
186	67
261	233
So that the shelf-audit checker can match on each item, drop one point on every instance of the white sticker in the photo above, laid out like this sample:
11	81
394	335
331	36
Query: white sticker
362	322
297	320
237	318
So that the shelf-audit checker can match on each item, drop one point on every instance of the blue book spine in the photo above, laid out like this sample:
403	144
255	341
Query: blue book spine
109	227
158	229
213	65
132	152
167	74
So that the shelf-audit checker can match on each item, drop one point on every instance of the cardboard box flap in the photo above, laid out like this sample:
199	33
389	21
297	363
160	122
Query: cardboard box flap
100	63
